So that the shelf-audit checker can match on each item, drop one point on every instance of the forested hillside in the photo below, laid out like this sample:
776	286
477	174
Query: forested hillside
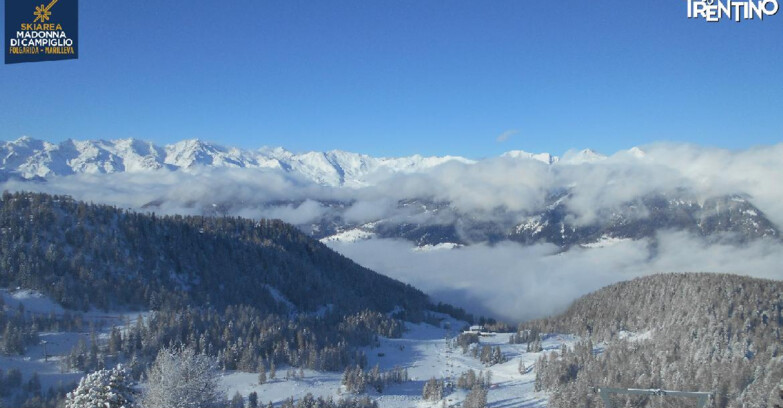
692	332
254	295
95	255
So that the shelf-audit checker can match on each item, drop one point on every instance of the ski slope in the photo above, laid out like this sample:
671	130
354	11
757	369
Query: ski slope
426	352
49	365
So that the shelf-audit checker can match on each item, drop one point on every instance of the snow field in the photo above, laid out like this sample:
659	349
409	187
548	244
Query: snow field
58	345
425	352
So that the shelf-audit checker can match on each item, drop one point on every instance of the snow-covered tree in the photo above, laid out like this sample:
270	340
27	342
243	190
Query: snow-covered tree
182	378
261	374
776	397
476	398
433	390
103	389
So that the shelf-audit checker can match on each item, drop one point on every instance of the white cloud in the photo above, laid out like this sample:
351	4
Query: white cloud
506	280
370	210
506	135
304	213
518	283
513	184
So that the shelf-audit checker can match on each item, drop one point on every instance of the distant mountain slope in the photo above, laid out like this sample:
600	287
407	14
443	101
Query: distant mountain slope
83	254
705	332
725	218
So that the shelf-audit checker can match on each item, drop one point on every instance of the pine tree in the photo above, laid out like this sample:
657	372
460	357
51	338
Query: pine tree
261	374
237	401
33	385
252	400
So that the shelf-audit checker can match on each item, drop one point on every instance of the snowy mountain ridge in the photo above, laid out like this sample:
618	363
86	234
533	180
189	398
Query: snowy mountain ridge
29	158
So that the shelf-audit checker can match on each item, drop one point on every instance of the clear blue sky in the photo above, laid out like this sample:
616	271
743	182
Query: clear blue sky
401	77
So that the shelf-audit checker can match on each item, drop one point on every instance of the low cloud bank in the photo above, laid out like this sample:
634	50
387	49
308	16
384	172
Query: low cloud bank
517	283
506	280
518	185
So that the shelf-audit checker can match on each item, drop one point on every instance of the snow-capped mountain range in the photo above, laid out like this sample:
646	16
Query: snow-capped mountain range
437	212
30	158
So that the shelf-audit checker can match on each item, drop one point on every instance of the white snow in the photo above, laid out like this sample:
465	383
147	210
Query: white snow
352	235
437	247
637	152
425	352
521	154
533	224
605	241
581	157
31	300
30	157
49	371
57	345
634	336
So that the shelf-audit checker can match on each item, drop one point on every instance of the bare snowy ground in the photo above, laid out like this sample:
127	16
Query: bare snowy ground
425	351
57	345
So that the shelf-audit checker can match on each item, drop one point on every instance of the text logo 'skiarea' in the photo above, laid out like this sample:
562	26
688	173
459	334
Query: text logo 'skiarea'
36	31
716	10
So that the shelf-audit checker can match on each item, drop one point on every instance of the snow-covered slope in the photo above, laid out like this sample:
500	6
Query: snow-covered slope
426	353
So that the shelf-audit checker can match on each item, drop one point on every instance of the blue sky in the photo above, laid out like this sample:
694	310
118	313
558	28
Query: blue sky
401	77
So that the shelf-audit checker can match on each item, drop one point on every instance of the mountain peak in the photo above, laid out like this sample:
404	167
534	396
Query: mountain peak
24	139
636	152
521	154
582	156
189	144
